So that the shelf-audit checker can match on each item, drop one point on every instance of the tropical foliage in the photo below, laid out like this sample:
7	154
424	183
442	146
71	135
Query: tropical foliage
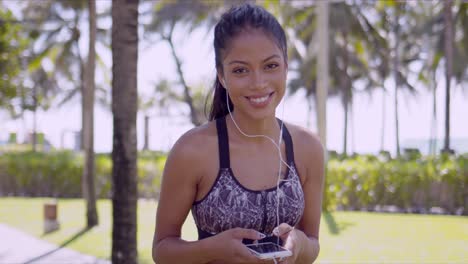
58	174
13	43
372	44
412	183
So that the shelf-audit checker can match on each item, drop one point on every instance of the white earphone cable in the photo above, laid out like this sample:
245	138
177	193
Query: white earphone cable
256	136
281	161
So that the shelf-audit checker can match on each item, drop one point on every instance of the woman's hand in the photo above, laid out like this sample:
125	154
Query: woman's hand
228	248
292	240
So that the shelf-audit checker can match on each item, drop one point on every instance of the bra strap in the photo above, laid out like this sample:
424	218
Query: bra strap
223	142
288	142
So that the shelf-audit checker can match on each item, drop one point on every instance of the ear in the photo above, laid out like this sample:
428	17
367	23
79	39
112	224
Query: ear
286	71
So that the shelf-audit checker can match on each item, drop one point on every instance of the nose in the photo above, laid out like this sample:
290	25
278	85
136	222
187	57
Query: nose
259	80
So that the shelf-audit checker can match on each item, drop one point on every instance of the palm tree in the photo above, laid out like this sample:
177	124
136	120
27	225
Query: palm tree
380	62
36	94
431	58
166	17
396	64
56	27
353	37
300	24
439	27
124	151
13	43
448	54
22	88
87	182
58	38
323	68
405	49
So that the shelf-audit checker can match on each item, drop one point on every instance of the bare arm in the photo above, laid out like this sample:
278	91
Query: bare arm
313	191
303	240
178	191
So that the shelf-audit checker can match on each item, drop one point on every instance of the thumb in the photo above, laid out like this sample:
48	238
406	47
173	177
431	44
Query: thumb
282	231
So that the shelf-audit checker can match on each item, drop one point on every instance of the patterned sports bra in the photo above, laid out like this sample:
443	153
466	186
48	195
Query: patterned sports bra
229	204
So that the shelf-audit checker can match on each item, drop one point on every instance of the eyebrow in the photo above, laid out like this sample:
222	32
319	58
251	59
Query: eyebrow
243	62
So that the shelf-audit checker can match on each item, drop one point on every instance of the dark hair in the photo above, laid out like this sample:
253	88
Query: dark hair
232	23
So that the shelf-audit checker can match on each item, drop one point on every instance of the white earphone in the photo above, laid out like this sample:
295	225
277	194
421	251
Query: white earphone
277	145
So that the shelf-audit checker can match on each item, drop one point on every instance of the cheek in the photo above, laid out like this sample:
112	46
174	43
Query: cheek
280	82
237	85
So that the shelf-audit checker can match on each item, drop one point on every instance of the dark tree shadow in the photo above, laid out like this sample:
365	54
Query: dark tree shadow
64	244
333	227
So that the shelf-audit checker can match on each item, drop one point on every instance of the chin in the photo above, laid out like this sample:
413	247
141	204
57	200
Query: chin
263	114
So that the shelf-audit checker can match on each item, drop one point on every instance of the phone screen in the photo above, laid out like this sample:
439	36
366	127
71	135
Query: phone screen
263	248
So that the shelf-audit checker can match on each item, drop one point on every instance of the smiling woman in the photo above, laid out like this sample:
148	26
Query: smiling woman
249	192
254	74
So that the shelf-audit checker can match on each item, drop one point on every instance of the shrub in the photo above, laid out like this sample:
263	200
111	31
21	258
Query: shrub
412	183
58	174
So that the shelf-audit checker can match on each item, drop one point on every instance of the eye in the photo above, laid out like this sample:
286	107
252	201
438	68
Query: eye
239	70
272	66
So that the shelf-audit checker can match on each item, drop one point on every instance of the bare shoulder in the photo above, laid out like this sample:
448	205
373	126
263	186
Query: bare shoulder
195	142
308	153
305	141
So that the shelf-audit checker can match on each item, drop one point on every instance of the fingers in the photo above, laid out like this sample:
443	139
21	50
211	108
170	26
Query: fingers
246	256
242	233
282	230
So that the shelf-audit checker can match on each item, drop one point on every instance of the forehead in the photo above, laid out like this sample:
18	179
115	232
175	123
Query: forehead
251	45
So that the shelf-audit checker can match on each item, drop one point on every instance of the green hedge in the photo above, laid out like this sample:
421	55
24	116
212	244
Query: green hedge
58	174
414	183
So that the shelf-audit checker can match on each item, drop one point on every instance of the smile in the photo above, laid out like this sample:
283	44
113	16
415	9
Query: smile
260	101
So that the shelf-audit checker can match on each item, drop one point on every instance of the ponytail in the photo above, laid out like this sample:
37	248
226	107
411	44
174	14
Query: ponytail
218	106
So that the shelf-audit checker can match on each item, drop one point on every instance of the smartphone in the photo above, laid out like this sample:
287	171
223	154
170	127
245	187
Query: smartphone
268	250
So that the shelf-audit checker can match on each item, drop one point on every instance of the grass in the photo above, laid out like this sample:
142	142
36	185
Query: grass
345	237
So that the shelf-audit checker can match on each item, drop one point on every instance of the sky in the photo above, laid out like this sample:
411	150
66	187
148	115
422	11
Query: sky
155	63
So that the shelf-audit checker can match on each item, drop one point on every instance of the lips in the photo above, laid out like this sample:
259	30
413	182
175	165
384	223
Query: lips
260	100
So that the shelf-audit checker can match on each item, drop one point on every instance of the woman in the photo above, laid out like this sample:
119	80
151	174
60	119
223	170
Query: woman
226	171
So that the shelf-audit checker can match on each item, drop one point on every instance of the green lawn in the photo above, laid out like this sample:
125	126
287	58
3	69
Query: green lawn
346	237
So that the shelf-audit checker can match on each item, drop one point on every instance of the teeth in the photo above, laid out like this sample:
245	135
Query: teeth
259	100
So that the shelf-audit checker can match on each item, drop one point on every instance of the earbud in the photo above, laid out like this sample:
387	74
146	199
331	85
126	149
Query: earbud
224	83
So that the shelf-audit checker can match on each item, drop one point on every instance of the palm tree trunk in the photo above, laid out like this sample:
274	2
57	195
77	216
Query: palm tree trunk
433	137
89	192
146	138
397	123
351	121
309	111
82	87
347	90
345	135
382	137
323	72
448	50
396	76
124	151
34	133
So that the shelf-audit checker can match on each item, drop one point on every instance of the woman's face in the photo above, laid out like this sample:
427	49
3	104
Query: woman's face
254	74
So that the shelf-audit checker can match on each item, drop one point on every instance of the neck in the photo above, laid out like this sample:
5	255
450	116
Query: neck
267	127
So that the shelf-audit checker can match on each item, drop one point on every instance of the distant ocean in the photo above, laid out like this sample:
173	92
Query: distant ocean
460	145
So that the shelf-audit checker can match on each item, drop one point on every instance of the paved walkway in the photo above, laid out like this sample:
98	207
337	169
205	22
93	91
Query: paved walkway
19	247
